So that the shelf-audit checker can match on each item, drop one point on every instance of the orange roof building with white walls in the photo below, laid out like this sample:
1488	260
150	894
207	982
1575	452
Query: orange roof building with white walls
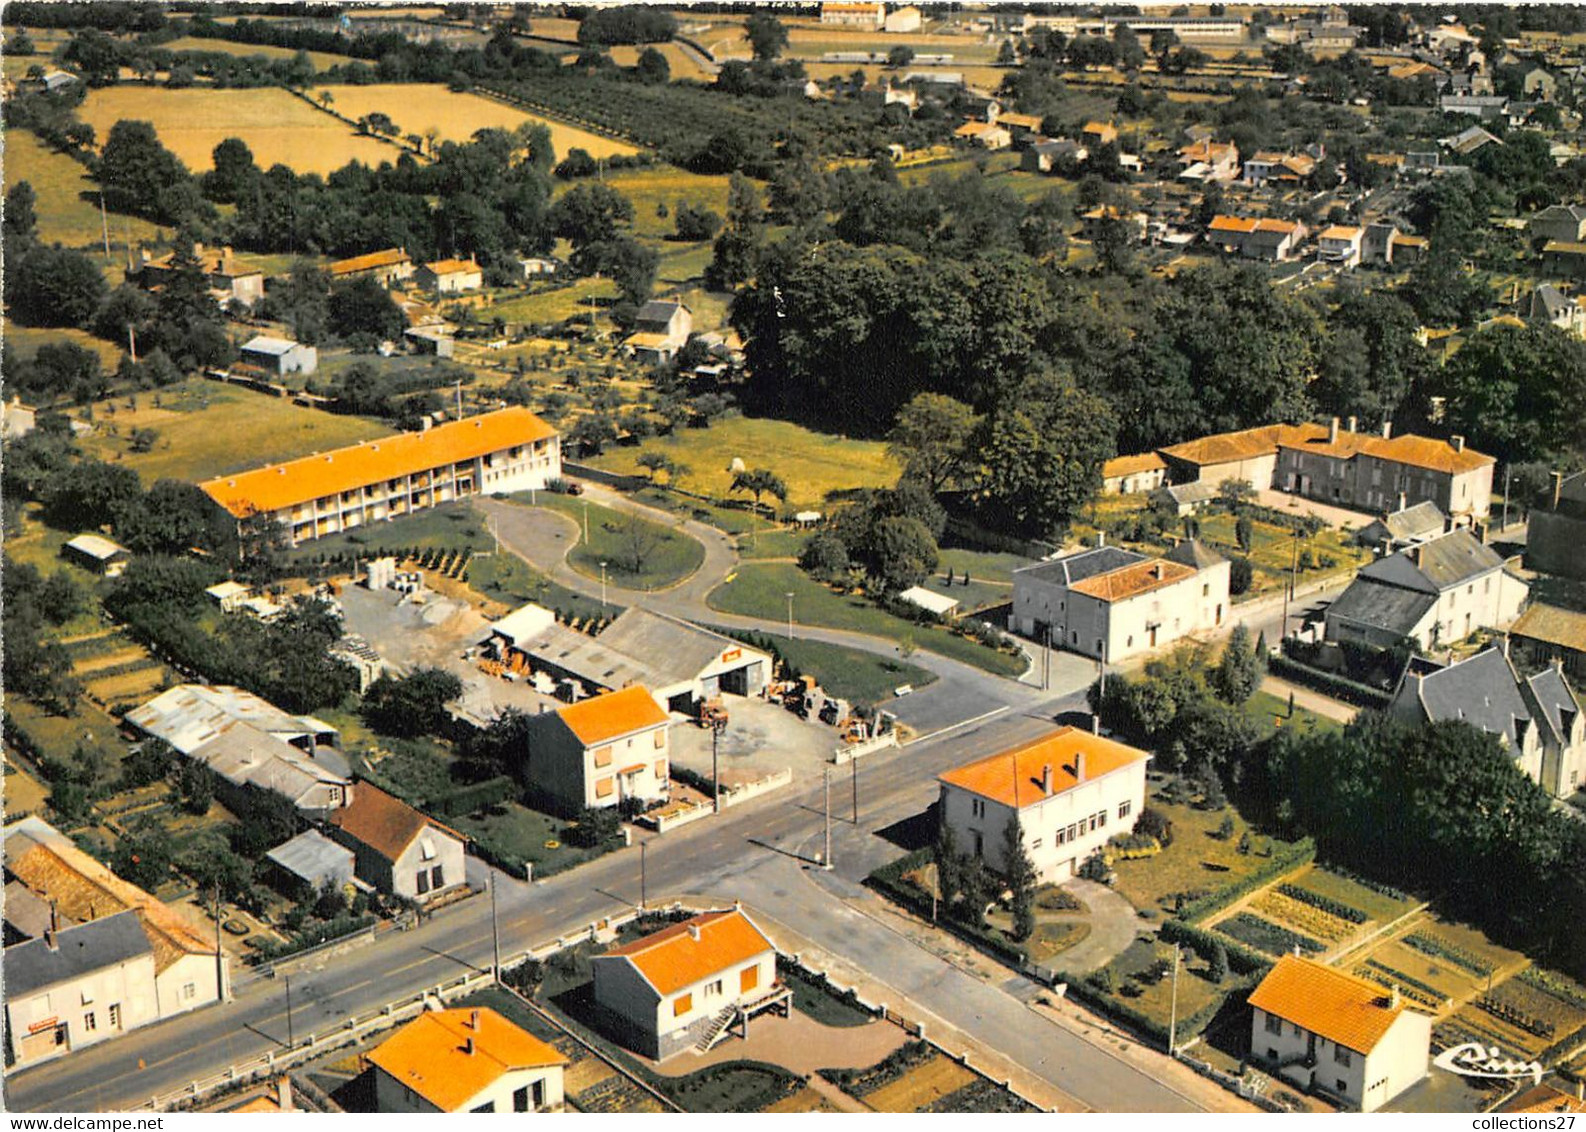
683	985
1336	1033
327	493
599	752
1070	790
466	1060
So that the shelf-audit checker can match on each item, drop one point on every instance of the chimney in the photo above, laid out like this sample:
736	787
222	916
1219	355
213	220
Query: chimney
693	932
1095	723
1352	422
1101	536
1415	554
473	1021
1558	487
283	1093
1404	501
1386	548
1156	571
1387	430
1332	431
1458	442
1046	780
468	1045
1393	997
1079	766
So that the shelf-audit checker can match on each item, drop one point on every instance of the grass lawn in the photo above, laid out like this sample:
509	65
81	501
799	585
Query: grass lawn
816	1000
669	555
515	832
732	1086
66	197
733	520
686	263
1270	712
812	464
26	340
851	674
650	188
773	544
1054	938
58	736
1196	862
1155	998
554	304
758	589
207	429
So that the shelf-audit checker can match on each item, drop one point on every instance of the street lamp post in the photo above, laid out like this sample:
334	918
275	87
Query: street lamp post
789	596
495	930
1172	1025
291	1042
602	587
826	856
716	727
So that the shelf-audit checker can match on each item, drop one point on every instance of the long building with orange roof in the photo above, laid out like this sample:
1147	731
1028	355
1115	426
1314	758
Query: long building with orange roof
1346	1037
1069	791
1110	603
688	984
503	451
81	978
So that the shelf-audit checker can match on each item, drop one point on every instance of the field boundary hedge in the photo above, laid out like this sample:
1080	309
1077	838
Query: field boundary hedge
1361	695
1302	852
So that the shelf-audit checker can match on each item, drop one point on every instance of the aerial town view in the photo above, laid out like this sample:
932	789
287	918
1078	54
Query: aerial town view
794	558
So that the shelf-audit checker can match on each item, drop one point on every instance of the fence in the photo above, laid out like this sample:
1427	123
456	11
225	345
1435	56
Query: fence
842	756
732	795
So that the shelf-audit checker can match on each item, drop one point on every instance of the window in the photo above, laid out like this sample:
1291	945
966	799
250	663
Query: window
426	849
438	877
749	978
977	807
421	881
1036	844
660	769
1101	820
1092	823
603	787
115	1015
660	738
1274	1025
1206	589
189	990
90	1023
1342	1056
713	988
520	1100
1073	831
602	756
1342	1085
1062	836
682	1005
488	1106
1124	809
1130	642
1272	1054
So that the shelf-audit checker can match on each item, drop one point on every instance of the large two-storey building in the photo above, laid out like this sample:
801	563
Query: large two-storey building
504	451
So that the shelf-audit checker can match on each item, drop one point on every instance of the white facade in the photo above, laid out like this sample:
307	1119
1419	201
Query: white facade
535	1089
903	20
49	1021
1362	1081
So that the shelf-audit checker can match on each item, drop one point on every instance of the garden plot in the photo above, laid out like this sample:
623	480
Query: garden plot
1380	903
1438	965
1526	1014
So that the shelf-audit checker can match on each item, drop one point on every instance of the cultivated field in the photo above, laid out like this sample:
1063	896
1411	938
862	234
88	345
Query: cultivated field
322	60
67	198
278	128
683	64
417	108
206	429
658	185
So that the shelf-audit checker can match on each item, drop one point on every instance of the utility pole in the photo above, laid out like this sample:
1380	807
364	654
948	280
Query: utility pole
1046	661
1508	471
459	398
1288	591
854	763
789	596
220	959
1104	668
291	1040
495	931
1172	1024
644	847
602	587
132	343
826	858
716	726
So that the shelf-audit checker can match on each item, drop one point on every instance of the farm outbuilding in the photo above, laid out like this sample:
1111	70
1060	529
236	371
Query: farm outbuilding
280	356
98	554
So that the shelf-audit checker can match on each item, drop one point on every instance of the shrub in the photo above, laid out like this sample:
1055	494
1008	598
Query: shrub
1325	903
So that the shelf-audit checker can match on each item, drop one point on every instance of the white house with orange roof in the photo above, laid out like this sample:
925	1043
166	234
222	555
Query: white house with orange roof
1340	244
466	1060
1070	791
599	752
1337	1034
389	266
987	135
450	276
1207	160
688	984
331	492
1110	603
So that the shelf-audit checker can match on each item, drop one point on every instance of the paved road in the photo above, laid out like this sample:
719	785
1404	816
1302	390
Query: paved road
757	853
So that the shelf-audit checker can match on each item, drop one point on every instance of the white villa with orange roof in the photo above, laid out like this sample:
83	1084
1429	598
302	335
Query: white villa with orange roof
466	1061
450	276
599	752
1340	244
505	451
689	984
1070	789
1110	603
1336	1033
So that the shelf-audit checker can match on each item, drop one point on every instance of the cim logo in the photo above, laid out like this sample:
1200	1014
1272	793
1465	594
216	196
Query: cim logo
1472	1059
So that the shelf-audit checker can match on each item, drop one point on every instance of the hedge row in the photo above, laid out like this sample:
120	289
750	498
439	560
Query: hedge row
1361	695
1242	960
476	796
1300	853
1139	1022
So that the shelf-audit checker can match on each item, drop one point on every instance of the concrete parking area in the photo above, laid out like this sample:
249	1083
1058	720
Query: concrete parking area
761	738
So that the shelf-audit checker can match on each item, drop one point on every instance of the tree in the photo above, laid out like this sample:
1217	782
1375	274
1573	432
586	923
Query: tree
695	222
637	540
140	176
1244	532
903	553
1518	393
53	286
759	482
931	439
900	56
1021	879
20	213
195	785
824	557
233	171
362	306
590	214
592	432
1240	576
1238	673
143	854
653	463
949	864
1217	970
652	67
767	36
630	264
1041	453
174	517
412	705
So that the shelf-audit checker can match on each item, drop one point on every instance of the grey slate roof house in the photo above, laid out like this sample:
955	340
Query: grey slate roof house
1537	719
1437	591
1423	521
